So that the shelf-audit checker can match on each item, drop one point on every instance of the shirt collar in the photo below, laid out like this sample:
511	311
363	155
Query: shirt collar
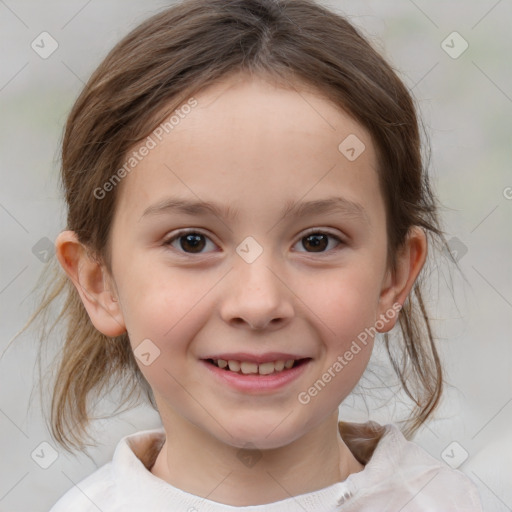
138	487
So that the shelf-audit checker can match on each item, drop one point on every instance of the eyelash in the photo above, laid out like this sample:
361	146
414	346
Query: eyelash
185	232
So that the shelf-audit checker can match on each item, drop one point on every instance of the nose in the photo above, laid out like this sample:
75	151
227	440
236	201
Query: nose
257	296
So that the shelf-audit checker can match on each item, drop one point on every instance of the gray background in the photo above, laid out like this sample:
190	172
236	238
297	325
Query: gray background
466	103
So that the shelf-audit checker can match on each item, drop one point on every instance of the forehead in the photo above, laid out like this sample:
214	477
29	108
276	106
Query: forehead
246	140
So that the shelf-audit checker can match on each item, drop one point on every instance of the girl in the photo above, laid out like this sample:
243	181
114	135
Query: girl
247	209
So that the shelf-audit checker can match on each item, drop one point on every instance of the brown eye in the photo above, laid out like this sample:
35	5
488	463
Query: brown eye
318	241
190	242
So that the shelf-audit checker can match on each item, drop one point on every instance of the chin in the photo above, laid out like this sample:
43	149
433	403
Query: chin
265	435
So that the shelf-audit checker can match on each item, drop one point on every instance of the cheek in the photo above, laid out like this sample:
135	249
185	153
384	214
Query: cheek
164	311
159	302
348	301
162	317
347	307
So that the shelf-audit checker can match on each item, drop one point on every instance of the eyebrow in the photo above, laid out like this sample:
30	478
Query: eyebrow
291	208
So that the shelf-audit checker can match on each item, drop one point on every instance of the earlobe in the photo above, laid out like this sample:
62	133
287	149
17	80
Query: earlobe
92	283
409	262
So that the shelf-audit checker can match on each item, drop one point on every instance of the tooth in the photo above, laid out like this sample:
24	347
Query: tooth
234	366
266	368
247	367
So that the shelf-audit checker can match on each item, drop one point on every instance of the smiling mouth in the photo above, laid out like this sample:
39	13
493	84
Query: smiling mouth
251	368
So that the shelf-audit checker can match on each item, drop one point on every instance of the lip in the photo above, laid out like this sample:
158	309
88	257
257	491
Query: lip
255	383
256	358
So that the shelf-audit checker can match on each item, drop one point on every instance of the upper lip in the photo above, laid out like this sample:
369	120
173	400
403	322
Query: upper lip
256	358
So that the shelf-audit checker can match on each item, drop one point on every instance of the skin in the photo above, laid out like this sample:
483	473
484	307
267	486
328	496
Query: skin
253	146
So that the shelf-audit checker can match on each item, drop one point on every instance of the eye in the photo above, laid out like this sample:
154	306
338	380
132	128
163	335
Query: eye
190	242
318	241
194	242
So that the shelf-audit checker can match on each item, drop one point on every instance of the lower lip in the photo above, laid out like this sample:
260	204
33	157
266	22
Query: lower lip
255	382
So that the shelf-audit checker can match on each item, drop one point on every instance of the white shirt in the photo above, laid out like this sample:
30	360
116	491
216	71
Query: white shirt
399	476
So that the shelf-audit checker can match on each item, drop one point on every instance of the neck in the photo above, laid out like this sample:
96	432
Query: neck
199	464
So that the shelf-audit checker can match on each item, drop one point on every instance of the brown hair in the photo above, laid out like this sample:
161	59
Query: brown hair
156	68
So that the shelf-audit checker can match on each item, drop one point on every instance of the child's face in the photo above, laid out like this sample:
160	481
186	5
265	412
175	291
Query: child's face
253	148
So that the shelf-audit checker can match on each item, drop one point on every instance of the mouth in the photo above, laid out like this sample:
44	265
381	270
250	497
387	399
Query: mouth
253	368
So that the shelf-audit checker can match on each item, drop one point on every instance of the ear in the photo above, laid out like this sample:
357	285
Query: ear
92	282
397	285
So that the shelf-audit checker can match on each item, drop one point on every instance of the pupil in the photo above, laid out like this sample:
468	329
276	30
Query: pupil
194	241
315	243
